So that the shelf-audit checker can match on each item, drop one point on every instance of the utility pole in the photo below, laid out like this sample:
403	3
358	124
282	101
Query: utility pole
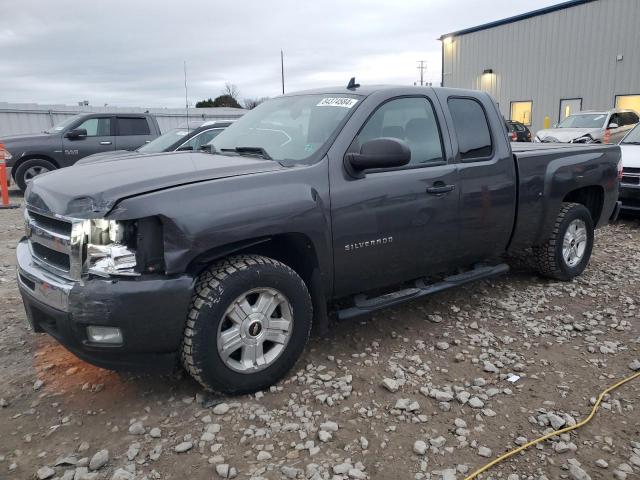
282	69
422	67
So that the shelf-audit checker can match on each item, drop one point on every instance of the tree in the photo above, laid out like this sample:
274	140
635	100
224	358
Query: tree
251	103
226	101
231	90
204	103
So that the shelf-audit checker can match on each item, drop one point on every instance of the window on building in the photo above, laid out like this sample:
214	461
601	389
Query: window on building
133	126
569	106
521	112
471	127
628	102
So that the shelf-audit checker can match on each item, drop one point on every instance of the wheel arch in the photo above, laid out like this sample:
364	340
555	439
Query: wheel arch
296	250
592	197
32	156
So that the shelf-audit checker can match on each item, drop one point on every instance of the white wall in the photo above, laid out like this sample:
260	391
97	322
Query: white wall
17	118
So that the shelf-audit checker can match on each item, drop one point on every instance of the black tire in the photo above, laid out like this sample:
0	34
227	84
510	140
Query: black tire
548	258
215	290
24	167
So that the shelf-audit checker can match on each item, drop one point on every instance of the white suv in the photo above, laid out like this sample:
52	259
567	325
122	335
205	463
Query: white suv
591	127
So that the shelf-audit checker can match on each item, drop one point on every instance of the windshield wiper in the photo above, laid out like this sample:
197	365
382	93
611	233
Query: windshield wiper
631	143
259	151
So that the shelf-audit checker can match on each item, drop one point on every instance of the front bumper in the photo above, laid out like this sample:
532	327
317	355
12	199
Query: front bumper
630	197
150	311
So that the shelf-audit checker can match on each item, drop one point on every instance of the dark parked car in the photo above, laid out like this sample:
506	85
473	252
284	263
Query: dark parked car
347	198
518	132
193	136
74	138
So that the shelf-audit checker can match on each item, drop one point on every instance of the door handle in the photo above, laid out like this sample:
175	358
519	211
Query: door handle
439	188
105	143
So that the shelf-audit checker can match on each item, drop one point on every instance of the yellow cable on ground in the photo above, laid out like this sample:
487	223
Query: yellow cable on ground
552	434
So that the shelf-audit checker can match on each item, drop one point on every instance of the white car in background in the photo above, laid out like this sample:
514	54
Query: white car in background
630	183
590	127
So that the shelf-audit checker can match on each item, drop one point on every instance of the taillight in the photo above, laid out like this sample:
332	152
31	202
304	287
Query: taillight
514	136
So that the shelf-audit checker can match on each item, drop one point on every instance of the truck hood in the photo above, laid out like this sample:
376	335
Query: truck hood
630	156
91	190
24	138
565	135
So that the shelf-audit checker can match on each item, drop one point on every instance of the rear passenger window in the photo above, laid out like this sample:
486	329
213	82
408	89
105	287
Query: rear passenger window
472	129
412	120
132	126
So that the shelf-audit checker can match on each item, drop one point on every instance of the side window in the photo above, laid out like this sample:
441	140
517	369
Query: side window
472	128
97	127
630	118
133	126
410	119
617	119
201	139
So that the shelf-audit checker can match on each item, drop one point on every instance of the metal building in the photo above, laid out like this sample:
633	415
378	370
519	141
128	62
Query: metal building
576	55
17	118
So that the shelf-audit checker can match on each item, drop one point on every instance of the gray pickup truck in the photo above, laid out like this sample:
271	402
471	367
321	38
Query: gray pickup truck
336	201
74	138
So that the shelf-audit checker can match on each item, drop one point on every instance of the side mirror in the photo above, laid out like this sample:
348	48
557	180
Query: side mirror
555	125
613	125
76	133
185	148
379	153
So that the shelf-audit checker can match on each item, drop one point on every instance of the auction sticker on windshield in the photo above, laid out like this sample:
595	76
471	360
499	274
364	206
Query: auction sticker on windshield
337	102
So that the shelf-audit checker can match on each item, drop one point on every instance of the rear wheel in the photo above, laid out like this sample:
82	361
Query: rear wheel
566	253
249	321
30	169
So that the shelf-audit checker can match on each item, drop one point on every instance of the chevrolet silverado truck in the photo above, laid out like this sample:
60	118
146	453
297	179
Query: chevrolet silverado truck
326	203
74	138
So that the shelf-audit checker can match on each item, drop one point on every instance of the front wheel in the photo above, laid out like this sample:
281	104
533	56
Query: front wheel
249	321
566	253
30	169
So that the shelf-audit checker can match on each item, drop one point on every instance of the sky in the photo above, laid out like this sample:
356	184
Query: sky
132	53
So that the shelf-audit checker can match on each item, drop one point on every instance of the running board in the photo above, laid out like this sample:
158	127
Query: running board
363	305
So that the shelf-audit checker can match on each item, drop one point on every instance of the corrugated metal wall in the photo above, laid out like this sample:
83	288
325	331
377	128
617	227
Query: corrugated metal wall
569	53
16	118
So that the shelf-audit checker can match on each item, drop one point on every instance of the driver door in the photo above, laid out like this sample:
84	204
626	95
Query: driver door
396	224
99	139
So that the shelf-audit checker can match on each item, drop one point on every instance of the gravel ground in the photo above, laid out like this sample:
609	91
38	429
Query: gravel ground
417	391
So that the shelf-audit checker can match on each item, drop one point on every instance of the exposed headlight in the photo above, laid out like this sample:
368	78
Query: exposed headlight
583	139
7	155
107	250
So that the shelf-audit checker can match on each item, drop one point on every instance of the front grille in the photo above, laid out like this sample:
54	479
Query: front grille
55	259
56	243
631	170
630	180
54	224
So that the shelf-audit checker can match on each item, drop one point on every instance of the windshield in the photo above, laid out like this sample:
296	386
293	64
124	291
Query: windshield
592	120
633	136
58	127
288	129
164	141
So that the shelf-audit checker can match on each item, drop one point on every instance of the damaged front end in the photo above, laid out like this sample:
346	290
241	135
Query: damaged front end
98	286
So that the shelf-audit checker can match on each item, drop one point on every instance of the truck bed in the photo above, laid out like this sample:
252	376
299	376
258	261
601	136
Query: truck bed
546	172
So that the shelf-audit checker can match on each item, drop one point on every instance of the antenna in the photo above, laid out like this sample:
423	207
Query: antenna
352	84
186	95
